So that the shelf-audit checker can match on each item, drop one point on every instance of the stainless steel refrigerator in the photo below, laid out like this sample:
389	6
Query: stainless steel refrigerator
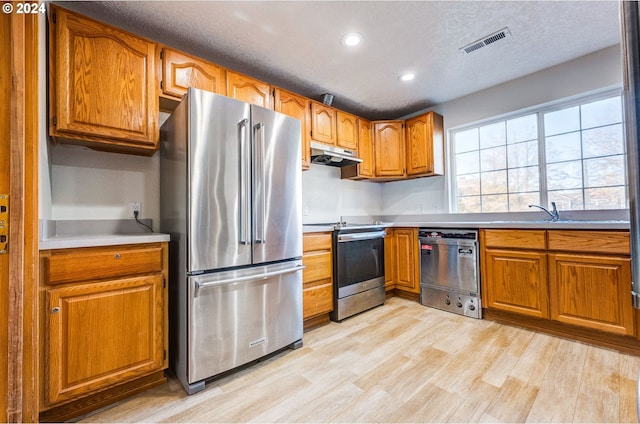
231	201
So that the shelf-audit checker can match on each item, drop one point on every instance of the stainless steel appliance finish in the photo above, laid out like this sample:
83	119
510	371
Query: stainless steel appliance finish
449	271
630	20
231	200
358	269
332	155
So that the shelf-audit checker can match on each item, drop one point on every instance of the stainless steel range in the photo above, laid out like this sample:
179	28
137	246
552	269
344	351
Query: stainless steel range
358	268
449	271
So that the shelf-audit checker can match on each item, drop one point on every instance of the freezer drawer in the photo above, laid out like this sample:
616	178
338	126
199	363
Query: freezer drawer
239	316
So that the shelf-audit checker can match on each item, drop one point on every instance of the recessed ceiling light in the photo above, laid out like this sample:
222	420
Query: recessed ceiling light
406	77
351	39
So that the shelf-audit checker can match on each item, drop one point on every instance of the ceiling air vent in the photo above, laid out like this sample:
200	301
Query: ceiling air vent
485	41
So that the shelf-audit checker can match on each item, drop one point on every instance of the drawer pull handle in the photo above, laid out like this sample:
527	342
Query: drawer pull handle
117	256
55	309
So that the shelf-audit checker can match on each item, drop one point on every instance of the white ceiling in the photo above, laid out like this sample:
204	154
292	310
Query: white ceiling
296	44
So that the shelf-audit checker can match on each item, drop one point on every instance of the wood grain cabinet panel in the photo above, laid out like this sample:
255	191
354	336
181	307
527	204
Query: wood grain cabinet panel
516	281
407	261
425	145
102	334
365	169
297	107
517	239
591	291
181	71
390	260
388	142
323	123
102	86
608	242
317	277
347	130
250	90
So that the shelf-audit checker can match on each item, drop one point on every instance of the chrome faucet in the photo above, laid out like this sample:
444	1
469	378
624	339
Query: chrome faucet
554	214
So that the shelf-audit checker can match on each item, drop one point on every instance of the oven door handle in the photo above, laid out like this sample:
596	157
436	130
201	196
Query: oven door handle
343	238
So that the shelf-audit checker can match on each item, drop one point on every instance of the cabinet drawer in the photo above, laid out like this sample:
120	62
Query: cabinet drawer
94	263
318	267
316	241
519	239
614	242
317	300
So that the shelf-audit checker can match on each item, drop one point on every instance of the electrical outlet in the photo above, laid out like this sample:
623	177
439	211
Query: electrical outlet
133	208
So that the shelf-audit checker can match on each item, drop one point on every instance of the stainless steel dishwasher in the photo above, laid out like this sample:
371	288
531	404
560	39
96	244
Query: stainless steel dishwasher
449	271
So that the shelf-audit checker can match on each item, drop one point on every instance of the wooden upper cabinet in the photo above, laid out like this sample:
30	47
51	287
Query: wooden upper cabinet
347	130
102	85
388	142
181	71
250	90
365	152
297	107
323	123
425	145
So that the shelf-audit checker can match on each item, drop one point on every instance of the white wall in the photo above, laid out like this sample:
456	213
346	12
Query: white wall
325	197
596	71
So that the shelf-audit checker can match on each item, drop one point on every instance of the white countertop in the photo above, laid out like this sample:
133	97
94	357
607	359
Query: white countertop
91	240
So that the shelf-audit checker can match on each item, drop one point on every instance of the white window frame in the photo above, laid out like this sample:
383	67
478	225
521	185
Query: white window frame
540	110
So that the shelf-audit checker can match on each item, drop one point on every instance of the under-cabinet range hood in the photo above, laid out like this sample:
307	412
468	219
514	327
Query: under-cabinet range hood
332	156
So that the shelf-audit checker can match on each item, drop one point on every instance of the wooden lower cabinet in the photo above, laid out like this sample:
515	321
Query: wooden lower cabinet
103	325
591	291
402	261
317	278
516	281
576	281
407	276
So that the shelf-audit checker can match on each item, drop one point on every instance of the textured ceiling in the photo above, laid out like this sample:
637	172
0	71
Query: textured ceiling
296	45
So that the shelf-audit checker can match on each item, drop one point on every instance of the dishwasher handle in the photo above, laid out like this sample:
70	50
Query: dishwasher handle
344	238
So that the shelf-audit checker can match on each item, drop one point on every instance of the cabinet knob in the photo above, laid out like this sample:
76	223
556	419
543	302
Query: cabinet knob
55	309
117	256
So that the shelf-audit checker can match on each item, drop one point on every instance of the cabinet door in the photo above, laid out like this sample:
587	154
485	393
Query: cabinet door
347	130
516	281
424	143
317	277
390	260
592	292
246	89
102	333
181	71
323	123
103	88
298	107
388	142
365	149
406	264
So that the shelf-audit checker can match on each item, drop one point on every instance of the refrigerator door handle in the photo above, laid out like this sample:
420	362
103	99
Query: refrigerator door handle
263	276
260	180
243	167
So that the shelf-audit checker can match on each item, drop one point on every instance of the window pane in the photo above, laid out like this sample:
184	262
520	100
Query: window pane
492	135
468	184
605	198
602	172
567	199
603	141
494	182
495	203
563	147
492	159
467	163
564	175
523	154
524	179
519	202
466	140
469	204
562	121
602	112
522	129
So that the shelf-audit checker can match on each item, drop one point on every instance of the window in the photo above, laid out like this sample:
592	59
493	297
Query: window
572	155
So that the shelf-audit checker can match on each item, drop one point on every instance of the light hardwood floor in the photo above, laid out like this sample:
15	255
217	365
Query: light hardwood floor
404	362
